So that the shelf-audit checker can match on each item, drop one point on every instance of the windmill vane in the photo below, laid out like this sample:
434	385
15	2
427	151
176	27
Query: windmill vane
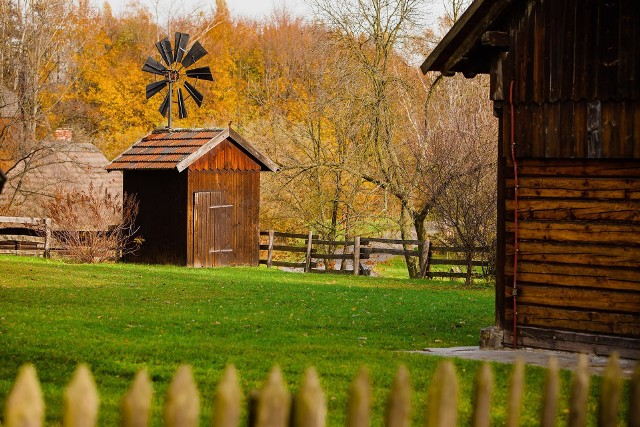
176	60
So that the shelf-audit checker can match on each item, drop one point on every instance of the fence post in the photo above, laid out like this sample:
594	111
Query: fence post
356	256
47	237
270	249
424	257
307	266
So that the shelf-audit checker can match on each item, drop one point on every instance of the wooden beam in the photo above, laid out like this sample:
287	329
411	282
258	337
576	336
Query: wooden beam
498	39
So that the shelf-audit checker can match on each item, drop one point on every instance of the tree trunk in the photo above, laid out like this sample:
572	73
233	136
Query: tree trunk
469	259
407	225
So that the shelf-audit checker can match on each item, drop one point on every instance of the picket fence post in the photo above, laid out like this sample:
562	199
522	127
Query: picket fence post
182	407
579	394
136	404
516	385
399	403
25	404
81	400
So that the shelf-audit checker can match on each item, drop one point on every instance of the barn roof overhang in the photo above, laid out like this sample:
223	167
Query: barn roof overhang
469	45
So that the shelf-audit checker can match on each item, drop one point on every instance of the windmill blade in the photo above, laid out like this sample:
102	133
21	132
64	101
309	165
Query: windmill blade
164	106
195	94
154	67
182	39
182	111
202	73
155	87
196	52
164	47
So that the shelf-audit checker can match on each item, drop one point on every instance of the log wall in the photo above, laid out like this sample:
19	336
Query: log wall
578	252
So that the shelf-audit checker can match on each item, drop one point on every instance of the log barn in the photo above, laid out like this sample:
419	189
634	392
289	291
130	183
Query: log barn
199	196
565	85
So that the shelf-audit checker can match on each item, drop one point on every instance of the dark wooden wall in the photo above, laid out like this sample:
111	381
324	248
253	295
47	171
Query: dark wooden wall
229	170
162	197
575	67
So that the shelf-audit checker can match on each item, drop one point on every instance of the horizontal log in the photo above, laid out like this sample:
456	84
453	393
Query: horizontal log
581	210
576	320
20	238
290	235
604	273
554	339
21	220
578	298
285	248
577	281
22	252
286	264
591	232
575	168
591	255
581	183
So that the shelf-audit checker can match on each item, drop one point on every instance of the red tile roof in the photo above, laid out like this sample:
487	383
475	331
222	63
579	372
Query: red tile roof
177	148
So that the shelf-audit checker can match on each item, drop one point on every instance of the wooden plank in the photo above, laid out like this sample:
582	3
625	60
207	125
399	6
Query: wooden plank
562	340
345	272
540	186
21	238
554	276
608	300
389	251
600	272
580	210
367	240
356	256
593	255
587	232
331	256
25	220
577	320
22	252
577	167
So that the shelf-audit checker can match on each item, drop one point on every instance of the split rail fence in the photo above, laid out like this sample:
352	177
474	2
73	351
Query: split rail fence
273	406
314	250
20	244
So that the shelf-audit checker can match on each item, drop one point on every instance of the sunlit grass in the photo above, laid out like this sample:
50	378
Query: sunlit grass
120	318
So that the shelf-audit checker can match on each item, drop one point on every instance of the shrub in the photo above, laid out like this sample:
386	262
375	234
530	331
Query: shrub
94	225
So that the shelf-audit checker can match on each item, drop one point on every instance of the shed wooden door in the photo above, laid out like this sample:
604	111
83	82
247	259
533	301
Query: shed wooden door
211	230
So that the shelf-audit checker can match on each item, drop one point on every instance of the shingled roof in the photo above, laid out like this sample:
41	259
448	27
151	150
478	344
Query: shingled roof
179	148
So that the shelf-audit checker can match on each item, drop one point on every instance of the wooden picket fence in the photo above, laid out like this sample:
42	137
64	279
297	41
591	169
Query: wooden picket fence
273	406
314	249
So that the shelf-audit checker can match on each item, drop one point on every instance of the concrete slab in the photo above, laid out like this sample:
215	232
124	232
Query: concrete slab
530	356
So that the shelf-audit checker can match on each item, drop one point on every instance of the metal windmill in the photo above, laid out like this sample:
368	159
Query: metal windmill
177	60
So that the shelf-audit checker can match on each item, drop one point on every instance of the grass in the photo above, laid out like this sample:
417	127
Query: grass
121	318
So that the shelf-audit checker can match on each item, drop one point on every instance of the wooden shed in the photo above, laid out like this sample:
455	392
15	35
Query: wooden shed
199	196
565	82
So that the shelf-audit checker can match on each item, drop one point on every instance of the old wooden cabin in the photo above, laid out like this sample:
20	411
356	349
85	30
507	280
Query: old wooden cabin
565	82
199	196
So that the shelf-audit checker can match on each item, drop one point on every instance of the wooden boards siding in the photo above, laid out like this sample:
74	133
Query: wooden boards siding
579	248
226	156
241	190
161	221
575	67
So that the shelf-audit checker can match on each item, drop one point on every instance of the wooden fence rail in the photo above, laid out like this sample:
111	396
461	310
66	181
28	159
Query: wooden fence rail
360	248
273	406
27	245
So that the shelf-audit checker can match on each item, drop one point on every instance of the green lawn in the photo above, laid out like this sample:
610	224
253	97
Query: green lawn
120	318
